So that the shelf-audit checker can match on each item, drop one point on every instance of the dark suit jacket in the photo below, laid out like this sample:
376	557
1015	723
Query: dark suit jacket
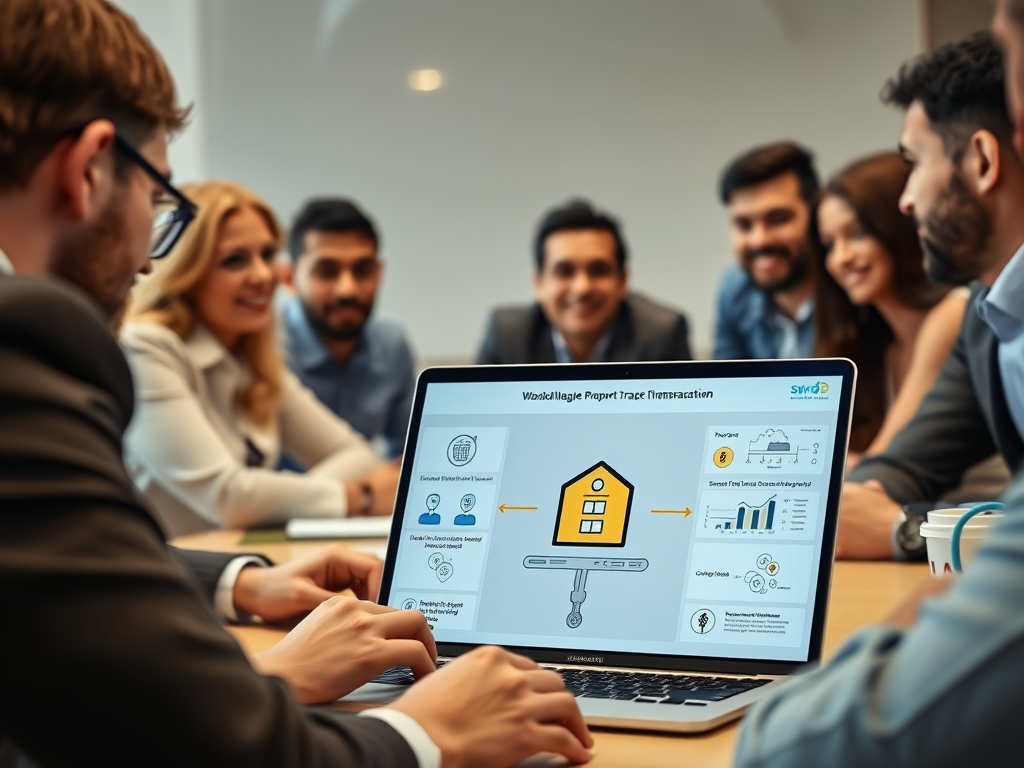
95	611
961	421
641	331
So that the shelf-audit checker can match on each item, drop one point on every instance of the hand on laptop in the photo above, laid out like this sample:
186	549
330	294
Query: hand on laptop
866	518
291	590
494	708
345	643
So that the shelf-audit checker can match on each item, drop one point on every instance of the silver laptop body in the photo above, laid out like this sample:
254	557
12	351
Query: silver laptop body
674	522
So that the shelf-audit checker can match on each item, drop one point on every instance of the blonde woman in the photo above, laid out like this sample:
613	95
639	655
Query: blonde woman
215	404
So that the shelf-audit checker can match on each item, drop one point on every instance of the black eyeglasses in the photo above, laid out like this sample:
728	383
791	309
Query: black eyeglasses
172	212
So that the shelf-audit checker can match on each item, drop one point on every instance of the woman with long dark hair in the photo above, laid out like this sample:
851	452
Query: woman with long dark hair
874	303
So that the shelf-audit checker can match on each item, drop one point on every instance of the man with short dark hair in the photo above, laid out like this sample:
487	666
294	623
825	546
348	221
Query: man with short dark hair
93	601
360	368
938	683
765	303
584	311
966	192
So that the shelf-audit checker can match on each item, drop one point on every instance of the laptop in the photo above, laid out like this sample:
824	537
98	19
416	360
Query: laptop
661	534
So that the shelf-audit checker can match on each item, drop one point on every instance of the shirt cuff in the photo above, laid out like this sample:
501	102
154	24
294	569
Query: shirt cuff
428	755
224	597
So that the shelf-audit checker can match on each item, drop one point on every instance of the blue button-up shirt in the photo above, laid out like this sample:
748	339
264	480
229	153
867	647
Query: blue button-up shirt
1002	308
373	391
750	326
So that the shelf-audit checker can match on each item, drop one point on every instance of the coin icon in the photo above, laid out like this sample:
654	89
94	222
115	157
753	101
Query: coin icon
723	457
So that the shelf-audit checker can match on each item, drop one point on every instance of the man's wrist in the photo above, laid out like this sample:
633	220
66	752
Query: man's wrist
428	754
224	596
908	544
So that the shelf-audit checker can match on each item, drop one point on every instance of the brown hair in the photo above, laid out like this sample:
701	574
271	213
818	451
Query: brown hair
66	63
163	297
872	188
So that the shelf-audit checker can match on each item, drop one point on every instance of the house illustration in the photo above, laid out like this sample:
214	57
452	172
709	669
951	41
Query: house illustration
593	509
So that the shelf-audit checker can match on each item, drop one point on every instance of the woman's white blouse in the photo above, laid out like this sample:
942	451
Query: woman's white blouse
186	446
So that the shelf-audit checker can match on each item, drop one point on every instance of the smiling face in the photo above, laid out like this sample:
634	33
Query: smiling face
768	229
336	278
234	296
856	260
581	285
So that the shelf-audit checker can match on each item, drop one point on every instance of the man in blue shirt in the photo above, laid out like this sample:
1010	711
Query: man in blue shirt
360	368
766	303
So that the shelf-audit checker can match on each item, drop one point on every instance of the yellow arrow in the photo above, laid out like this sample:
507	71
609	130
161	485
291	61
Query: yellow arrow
685	512
503	507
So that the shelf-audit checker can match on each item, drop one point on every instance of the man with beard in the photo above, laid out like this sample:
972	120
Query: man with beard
93	601
938	683
360	368
765	304
584	311
966	193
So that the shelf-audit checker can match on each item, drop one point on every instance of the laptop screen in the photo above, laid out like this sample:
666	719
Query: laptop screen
667	516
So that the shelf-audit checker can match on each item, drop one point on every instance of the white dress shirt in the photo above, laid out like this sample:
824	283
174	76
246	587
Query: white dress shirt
6	268
203	463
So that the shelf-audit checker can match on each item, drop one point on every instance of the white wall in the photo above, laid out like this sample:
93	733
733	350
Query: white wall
636	104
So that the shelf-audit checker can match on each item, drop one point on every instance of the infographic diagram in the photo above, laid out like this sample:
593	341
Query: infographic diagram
593	510
794	449
783	514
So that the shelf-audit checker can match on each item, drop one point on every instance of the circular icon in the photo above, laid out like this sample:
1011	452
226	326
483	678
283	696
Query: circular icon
749	576
772	569
461	450
435	560
597	485
433	500
468	502
773	583
702	621
574	619
763	560
824	388
409	605
723	457
757	583
444	571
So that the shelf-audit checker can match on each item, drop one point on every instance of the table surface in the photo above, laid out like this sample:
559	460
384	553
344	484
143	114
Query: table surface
862	593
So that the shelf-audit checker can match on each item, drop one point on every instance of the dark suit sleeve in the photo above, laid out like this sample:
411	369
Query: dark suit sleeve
680	345
207	567
94	608
947	436
490	350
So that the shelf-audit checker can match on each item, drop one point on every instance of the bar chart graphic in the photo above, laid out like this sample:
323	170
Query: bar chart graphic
784	515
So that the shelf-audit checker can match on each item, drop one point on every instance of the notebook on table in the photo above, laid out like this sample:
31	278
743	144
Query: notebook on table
662	534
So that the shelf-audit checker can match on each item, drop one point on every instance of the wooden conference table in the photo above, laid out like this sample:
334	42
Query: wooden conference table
862	593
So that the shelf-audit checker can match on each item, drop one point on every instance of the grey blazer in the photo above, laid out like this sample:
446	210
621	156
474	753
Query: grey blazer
93	602
961	421
641	331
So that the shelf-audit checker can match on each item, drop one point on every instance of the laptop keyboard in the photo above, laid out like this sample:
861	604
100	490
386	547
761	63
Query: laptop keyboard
627	686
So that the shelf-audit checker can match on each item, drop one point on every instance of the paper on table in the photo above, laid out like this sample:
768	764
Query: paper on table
338	527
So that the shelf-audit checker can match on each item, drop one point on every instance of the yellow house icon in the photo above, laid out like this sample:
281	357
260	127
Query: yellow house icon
593	509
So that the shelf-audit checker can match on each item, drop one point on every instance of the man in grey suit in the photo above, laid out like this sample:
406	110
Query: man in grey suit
584	311
966	193
93	600
938	683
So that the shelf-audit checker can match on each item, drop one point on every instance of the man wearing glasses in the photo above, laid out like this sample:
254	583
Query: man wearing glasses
93	602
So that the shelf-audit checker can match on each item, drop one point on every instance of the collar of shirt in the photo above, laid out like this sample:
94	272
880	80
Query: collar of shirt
564	355
204	348
772	312
308	352
6	268
1002	305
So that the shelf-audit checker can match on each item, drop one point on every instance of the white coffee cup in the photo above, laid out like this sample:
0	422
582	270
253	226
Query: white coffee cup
938	533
